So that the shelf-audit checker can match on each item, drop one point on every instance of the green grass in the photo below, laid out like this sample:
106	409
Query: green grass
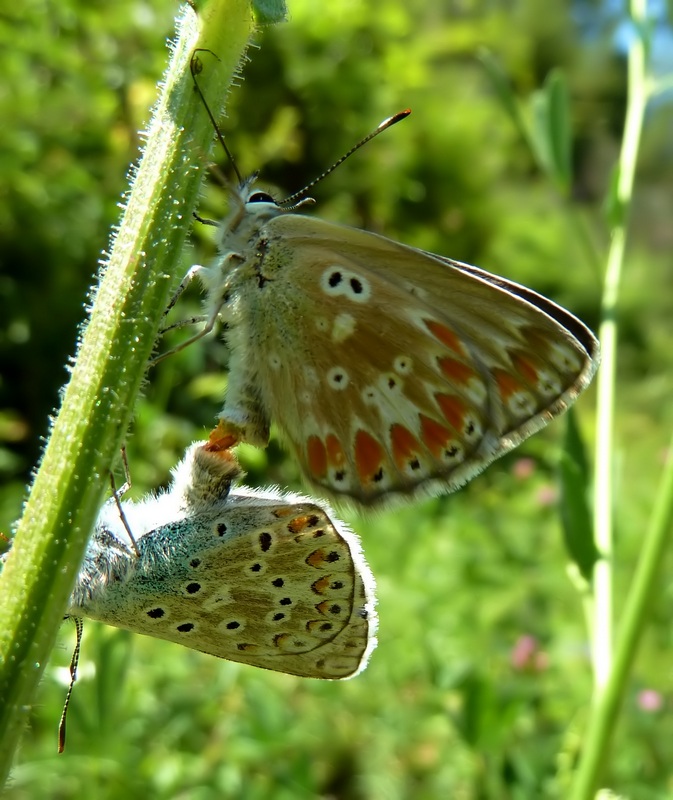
481	687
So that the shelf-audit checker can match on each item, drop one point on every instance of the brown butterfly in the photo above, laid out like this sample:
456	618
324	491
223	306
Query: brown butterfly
388	370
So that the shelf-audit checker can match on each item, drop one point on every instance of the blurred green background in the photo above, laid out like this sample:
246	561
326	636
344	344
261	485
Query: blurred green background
481	682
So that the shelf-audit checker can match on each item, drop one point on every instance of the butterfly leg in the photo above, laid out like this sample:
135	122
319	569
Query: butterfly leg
192	273
118	493
209	321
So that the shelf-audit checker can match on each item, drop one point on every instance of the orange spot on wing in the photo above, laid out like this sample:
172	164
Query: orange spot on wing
405	445
299	523
453	409
318	626
435	435
507	384
321	556
317	457
329	607
456	371
335	453
369	456
282	512
321	585
525	367
445	335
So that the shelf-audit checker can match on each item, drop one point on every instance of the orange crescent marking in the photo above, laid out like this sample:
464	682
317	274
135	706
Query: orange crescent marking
453	409
507	384
329	607
282	512
299	523
323	556
321	585
445	335
435	435
317	558
319	626
368	456
405	445
525	367
455	370
317	457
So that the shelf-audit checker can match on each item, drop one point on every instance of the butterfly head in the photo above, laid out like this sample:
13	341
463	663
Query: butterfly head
251	208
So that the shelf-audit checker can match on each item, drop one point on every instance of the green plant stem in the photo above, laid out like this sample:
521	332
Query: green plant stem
135	285
603	718
603	483
611	674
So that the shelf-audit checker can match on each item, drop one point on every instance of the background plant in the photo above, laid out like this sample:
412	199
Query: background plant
482	680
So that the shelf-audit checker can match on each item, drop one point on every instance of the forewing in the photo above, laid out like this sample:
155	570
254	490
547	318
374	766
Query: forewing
395	371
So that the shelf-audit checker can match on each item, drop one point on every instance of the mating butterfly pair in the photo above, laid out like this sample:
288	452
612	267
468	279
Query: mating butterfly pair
390	371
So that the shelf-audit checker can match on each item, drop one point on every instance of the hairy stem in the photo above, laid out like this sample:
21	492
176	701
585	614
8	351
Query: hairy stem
134	288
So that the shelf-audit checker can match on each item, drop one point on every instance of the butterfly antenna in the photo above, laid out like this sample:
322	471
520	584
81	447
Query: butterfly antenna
73	677
387	123
196	67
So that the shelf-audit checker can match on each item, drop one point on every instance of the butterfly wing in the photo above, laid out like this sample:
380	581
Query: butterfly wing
264	580
391	370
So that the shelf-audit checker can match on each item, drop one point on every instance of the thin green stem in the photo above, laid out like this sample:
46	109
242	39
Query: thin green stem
135	285
603	718
603	484
611	673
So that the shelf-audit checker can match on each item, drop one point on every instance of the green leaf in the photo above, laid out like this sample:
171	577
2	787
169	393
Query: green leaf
550	130
269	12
575	511
503	91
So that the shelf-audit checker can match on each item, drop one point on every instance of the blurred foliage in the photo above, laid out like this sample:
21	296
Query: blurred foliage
480	683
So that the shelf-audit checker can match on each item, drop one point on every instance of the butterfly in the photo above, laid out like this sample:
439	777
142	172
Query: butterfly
389	371
261	577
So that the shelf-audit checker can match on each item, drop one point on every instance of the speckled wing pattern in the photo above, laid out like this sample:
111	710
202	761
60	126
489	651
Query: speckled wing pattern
390	371
266	579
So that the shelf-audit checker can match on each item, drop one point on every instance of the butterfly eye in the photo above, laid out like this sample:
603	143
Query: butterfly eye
261	197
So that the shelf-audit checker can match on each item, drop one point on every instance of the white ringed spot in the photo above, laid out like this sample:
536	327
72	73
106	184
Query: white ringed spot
336	281
548	383
370	395
453	452
522	404
390	384
472	429
231	626
403	365
338	379
564	358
